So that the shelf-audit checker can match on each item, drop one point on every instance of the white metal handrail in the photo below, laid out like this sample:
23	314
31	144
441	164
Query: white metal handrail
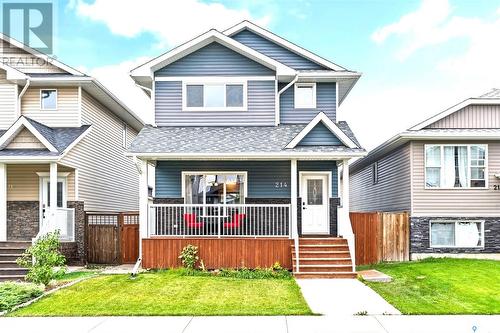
345	230
64	221
231	220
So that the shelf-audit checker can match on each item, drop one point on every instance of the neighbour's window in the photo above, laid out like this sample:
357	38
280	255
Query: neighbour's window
214	188
375	173
215	96
124	136
457	233
455	166
48	99
305	95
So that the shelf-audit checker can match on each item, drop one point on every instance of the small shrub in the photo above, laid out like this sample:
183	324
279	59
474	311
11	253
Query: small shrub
189	256
15	293
42	259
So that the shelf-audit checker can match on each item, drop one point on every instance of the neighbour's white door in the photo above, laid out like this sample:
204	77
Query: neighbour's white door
45	197
314	194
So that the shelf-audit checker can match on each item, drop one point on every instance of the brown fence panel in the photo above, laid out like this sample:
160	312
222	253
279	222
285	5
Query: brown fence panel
129	223
396	236
368	237
102	239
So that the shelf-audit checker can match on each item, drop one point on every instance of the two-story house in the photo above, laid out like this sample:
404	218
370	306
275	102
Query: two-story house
246	148
445	172
63	136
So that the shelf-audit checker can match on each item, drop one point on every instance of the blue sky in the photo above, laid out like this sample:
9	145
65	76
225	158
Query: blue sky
417	57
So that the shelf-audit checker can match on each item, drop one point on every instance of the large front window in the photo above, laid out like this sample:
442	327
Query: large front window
214	188
455	166
457	233
216	96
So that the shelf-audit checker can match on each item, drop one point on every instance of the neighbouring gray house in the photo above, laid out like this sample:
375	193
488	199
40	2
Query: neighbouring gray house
63	138
445	172
246	148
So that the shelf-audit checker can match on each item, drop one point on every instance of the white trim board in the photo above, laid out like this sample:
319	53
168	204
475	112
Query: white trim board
17	127
321	117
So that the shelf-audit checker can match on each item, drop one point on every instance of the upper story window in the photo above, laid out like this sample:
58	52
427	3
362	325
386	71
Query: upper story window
48	99
456	166
305	95
124	135
214	96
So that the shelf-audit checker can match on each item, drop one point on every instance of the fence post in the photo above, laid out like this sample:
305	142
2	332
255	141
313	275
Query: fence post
119	237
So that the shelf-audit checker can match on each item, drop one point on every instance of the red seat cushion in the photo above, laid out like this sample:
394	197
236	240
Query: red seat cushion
190	219
235	222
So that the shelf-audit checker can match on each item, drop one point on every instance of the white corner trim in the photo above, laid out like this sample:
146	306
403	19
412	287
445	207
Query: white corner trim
455	108
321	117
75	142
201	41
282	42
17	127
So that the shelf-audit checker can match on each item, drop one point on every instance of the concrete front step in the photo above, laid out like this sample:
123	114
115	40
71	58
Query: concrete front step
12	250
13	271
323	261
325	268
322	241
11	278
323	254
323	275
321	247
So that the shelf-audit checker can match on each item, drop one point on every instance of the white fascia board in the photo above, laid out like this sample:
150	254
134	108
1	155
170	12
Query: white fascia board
12	73
283	42
455	108
181	51
328	75
249	156
451	136
28	159
40	55
17	127
321	117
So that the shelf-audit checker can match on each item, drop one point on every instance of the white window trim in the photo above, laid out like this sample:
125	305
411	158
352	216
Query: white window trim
468	187
204	173
455	222
215	81
296	87
41	101
124	135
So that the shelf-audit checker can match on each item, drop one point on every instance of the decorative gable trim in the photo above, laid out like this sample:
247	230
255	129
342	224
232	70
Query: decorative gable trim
455	108
282	42
147	69
17	127
321	117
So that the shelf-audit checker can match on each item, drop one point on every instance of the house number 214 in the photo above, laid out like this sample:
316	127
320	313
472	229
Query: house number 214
496	187
280	184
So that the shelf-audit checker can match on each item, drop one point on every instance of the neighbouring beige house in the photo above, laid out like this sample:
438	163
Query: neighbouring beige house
62	141
445	172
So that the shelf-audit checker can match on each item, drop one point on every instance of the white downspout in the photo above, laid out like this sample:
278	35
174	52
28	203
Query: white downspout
279	95
21	96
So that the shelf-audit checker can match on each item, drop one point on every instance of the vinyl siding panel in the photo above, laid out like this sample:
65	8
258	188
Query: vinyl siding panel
393	190
8	100
260	107
303	166
325	102
320	135
436	202
66	115
25	140
23	182
108	180
26	62
262	176
472	116
275	51
214	59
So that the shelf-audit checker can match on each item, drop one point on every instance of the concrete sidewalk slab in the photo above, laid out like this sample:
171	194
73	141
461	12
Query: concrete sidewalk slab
142	324
49	324
343	297
373	275
237	324
440	324
333	324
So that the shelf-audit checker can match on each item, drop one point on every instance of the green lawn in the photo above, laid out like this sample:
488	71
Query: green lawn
441	286
172	293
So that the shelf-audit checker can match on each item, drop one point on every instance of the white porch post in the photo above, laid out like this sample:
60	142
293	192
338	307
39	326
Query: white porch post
293	197
345	228
53	195
345	187
3	202
143	201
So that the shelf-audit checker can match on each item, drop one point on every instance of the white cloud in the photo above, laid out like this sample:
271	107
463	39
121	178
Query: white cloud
171	22
116	78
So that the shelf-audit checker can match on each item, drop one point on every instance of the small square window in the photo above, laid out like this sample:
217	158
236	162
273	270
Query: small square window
375	173
305	95
48	99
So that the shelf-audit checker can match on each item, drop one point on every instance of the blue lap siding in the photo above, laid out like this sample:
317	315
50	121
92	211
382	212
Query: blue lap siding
320	135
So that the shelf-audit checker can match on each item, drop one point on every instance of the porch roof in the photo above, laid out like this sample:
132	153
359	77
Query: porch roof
231	139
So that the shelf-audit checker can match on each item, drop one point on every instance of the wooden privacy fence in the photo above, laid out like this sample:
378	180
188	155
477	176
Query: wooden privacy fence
112	238
381	236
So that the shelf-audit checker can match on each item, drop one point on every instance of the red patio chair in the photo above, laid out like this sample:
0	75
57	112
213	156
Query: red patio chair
190	219
235	222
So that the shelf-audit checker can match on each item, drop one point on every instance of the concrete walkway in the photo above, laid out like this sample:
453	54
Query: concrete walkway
307	324
343	297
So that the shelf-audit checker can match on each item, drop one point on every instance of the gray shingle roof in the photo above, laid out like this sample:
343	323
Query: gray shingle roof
493	93
27	152
231	139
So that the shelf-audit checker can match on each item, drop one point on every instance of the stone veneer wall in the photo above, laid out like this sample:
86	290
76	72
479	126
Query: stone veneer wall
22	220
420	235
77	254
